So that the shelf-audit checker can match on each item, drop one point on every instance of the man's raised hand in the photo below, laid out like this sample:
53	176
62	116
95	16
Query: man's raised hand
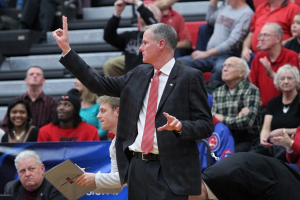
62	37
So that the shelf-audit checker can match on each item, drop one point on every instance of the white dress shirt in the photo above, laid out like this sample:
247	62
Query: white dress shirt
163	78
109	183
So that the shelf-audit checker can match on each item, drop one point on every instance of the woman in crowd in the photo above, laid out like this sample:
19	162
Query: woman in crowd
89	108
283	111
19	123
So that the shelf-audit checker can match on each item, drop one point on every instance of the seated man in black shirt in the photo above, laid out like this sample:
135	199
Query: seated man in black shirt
32	184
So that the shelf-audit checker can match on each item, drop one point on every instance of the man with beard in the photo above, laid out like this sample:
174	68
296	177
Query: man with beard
67	124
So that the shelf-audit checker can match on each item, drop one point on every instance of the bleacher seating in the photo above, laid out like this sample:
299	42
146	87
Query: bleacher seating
53	87
3	110
99	3
86	38
191	11
11	89
14	68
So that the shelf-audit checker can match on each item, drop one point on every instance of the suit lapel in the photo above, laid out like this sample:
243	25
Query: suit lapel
143	84
169	85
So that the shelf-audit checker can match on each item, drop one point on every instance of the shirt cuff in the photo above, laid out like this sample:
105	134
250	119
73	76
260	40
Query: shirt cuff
63	55
139	3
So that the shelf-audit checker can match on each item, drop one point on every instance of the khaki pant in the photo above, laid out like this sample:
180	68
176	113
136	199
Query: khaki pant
114	66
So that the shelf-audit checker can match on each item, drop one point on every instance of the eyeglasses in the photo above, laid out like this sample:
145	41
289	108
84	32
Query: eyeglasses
264	35
289	78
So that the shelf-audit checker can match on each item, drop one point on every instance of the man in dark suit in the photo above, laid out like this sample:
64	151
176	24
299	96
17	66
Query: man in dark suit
32	184
171	170
249	176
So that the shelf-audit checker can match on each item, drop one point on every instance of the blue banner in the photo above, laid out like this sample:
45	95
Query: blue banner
85	154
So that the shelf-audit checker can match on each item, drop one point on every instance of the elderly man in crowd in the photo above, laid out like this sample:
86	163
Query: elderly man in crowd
281	12
237	103
32	184
267	62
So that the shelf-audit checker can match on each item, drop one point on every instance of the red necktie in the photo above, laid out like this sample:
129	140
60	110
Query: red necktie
149	129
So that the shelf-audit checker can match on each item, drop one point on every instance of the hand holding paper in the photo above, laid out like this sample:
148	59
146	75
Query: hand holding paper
86	179
63	178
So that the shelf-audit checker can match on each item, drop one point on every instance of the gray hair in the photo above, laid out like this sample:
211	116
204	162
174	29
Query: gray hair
27	154
114	102
277	28
287	68
165	32
243	65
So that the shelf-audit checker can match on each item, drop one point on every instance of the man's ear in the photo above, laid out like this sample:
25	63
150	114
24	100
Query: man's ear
162	44
117	111
242	72
43	168
279	39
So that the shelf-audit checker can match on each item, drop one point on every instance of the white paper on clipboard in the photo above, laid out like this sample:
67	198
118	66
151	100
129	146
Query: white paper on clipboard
63	177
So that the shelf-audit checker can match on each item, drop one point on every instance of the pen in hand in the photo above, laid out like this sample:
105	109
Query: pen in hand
82	168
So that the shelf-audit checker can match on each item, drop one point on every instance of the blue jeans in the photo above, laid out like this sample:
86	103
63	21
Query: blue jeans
204	34
251	59
211	64
294	166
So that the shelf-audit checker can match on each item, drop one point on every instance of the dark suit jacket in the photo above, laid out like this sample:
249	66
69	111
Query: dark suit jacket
184	97
45	192
251	176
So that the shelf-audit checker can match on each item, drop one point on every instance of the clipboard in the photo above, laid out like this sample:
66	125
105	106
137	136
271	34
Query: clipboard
63	177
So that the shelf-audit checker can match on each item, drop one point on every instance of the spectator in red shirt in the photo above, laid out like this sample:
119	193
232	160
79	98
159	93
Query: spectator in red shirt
165	4
281	12
67	125
176	20
267	62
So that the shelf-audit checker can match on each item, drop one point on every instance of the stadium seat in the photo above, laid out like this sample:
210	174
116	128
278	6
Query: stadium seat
193	28
207	76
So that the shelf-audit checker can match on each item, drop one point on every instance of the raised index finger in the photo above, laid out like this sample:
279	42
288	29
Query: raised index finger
65	24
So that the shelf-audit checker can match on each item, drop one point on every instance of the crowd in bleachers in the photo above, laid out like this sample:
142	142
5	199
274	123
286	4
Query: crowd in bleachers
248	52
